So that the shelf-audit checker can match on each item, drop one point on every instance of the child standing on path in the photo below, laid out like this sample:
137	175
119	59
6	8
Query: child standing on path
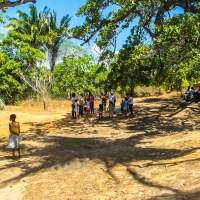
13	142
125	105
100	111
76	109
88	108
110	109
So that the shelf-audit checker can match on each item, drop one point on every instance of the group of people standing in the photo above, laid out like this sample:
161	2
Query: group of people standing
127	104
84	105
111	108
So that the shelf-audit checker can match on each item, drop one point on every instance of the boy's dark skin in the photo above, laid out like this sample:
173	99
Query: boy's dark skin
12	118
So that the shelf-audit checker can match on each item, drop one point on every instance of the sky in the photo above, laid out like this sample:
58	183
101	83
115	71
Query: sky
63	7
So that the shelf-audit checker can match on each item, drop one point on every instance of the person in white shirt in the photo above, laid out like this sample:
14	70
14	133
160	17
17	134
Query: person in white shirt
113	100
88	107
76	109
130	103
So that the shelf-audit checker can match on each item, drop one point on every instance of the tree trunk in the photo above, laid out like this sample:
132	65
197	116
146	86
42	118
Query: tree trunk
44	103
132	89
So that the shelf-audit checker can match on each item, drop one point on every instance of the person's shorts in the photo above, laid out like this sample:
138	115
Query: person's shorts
13	142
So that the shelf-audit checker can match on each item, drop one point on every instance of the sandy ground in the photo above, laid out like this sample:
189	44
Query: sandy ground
153	154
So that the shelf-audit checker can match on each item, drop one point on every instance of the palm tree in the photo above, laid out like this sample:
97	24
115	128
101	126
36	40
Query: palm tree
33	24
45	32
56	36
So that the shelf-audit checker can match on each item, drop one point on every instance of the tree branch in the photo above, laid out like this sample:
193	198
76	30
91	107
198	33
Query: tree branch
167	4
16	3
106	22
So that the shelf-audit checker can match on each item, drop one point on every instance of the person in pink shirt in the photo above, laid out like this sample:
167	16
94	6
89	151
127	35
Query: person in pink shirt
91	99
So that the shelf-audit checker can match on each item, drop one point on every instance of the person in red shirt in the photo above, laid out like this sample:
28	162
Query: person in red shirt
104	98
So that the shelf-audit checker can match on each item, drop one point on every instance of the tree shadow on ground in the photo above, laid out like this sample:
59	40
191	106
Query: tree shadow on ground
178	195
52	145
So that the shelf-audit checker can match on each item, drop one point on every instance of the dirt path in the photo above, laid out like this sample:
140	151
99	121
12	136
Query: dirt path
153	154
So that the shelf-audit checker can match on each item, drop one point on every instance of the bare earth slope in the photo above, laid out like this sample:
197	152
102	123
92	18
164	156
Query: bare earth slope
153	154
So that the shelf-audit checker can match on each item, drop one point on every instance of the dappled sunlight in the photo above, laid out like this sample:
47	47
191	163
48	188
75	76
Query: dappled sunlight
147	151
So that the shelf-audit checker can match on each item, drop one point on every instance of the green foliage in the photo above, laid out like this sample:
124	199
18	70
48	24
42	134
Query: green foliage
55	36
129	69
177	56
2	104
10	84
33	24
76	74
17	46
43	29
39	79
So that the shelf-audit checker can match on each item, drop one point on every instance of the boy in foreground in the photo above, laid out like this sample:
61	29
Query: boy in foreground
13	142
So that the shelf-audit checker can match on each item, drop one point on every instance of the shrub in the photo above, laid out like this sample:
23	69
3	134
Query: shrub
2	104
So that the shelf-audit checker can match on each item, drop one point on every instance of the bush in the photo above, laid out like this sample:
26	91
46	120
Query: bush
2	104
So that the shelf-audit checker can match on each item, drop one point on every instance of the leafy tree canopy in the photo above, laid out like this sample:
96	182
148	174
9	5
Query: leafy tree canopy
105	19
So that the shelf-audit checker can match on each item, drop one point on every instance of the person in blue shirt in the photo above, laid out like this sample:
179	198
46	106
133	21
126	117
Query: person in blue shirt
125	106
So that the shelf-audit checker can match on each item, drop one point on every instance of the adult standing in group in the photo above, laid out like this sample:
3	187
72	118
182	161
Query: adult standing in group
73	104
80	104
91	99
130	103
113	100
104	98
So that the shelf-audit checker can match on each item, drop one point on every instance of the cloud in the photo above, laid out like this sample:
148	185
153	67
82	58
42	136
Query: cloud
96	50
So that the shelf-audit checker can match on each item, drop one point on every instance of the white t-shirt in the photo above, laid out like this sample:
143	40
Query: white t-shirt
88	105
76	107
130	100
113	98
73	100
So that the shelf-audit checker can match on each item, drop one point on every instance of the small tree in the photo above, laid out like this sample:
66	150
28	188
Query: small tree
40	80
